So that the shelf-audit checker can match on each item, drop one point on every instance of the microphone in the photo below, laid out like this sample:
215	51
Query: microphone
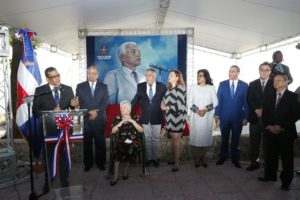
158	67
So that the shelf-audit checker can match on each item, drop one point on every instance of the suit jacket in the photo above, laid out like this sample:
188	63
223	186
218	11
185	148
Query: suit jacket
232	109
44	101
255	97
121	84
286	114
151	111
286	70
97	102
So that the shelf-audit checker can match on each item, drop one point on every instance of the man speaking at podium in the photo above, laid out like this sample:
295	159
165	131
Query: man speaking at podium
53	96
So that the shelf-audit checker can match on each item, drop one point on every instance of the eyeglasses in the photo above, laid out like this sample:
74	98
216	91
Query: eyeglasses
55	76
264	70
200	75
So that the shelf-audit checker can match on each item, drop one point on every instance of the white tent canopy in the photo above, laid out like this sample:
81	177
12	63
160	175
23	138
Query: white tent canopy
232	26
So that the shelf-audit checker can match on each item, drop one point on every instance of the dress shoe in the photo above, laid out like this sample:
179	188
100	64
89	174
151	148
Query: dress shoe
101	167
237	164
266	179
204	165
220	161
175	169
125	177
113	183
285	188
87	168
148	163
155	163
298	173
197	165
252	167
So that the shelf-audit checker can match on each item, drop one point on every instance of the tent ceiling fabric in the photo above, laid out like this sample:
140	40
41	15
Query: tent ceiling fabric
228	26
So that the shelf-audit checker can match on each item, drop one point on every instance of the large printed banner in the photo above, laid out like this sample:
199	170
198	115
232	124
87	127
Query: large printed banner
123	60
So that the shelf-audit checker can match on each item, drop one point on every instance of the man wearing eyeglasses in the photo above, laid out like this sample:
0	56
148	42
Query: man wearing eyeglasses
257	91
122	82
53	96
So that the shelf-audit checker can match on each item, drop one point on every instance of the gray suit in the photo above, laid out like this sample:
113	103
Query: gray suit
121	84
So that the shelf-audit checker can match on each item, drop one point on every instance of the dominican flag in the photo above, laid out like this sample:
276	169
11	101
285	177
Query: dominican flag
28	79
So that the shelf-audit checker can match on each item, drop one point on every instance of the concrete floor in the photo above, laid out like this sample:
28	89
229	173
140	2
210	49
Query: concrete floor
214	182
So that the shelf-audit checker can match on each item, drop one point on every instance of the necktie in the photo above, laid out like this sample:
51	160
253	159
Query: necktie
56	96
262	86
93	89
232	89
135	76
278	99
150	92
279	68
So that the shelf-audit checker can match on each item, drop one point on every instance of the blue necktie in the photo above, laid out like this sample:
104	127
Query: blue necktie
232	89
56	96
150	92
92	89
135	76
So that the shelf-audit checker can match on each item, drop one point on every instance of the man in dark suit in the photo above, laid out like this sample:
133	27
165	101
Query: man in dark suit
232	112
53	96
149	95
279	68
280	112
257	90
93	96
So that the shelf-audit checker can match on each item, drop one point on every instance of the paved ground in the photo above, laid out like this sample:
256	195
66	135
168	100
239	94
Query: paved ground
214	182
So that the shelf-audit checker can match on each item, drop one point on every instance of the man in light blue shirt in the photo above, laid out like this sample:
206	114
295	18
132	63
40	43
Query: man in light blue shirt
122	82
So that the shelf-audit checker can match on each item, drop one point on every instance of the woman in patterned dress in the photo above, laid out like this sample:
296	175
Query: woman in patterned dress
127	143
174	104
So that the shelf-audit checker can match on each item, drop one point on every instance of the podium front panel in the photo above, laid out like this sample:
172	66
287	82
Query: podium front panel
63	134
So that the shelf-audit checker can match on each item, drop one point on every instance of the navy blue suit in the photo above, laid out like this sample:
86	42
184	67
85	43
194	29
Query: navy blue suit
94	129
232	112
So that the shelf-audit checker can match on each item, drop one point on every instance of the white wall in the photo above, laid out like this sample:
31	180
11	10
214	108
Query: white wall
68	69
218	66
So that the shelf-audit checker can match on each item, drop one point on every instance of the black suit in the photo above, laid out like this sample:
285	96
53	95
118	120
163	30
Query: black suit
285	115
94	129
151	111
151	117
286	71
255	98
44	101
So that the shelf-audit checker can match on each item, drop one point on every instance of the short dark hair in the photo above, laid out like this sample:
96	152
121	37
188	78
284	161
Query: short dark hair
235	66
49	69
265	63
282	75
275	54
208	79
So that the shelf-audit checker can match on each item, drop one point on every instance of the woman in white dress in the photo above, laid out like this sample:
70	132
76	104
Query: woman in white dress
202	100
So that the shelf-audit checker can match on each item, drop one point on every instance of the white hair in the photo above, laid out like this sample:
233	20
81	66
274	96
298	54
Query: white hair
126	102
122	48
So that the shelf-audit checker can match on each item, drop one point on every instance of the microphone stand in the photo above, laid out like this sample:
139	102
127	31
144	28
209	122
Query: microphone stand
28	100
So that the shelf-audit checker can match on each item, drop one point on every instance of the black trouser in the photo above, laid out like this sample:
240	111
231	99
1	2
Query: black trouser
94	132
276	145
256	132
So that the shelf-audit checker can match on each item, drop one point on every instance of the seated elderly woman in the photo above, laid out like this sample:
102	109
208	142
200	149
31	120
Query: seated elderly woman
126	143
